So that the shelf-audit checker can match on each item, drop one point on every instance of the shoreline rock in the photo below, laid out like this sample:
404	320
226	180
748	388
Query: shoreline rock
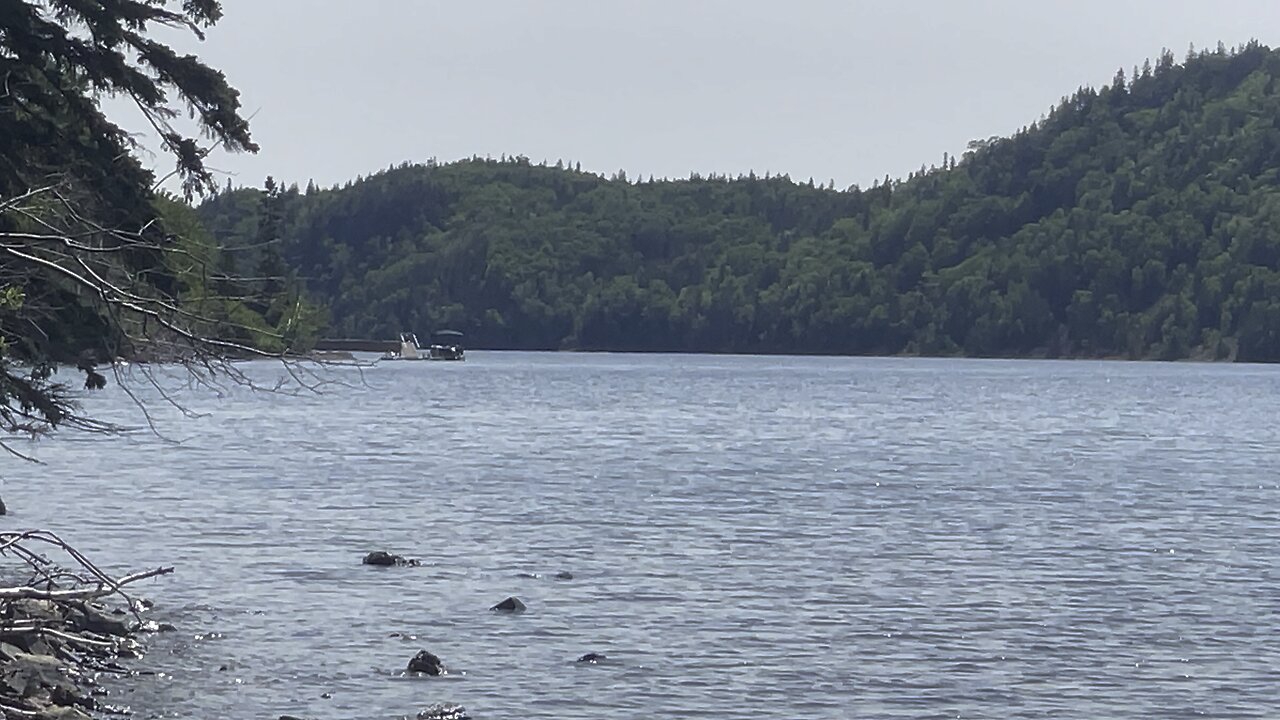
52	652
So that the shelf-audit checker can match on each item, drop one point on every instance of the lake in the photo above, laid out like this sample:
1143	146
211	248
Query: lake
749	537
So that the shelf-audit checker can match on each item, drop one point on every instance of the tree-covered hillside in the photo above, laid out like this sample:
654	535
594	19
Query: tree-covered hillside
1139	220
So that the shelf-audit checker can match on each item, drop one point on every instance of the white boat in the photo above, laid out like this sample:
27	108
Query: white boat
409	349
447	345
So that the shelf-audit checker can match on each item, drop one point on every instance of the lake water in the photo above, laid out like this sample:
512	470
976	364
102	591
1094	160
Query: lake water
749	537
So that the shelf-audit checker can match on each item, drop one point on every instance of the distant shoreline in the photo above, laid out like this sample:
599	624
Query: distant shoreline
1198	358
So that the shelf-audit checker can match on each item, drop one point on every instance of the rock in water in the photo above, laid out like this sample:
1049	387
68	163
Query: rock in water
564	575
592	658
510	605
426	663
444	712
382	559
386	559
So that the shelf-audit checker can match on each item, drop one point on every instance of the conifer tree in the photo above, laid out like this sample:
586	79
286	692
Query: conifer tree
82	246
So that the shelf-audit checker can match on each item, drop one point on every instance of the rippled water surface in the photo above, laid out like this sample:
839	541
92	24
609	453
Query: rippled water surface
749	537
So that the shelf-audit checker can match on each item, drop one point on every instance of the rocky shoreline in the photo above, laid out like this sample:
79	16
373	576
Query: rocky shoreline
53	654
64	624
67	628
65	633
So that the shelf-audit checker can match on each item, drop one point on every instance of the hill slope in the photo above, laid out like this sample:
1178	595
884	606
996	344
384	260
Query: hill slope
1140	220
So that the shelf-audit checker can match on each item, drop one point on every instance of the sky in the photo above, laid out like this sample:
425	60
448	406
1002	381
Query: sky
845	91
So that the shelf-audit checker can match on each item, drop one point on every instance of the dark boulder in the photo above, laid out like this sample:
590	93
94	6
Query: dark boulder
96	619
592	658
35	676
386	559
426	663
510	605
382	559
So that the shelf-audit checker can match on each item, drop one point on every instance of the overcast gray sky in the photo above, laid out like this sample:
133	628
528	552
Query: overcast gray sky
848	91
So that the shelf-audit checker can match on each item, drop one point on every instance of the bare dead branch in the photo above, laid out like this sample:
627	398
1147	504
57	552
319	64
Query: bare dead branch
98	584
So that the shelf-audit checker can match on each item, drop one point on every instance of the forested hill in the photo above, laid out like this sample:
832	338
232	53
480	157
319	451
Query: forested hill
1139	220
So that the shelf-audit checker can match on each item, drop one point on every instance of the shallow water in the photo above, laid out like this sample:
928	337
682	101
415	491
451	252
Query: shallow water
750	537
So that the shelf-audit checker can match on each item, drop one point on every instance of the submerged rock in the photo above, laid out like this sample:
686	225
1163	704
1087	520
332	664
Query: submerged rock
592	658
381	558
426	663
510	605
564	575
444	712
62	712
151	626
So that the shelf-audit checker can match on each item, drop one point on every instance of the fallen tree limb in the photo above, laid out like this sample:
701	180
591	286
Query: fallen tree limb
91	585
76	639
82	593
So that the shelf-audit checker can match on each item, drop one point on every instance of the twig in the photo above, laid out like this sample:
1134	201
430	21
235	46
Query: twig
11	711
77	639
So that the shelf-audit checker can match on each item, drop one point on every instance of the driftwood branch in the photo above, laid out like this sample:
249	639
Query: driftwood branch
82	593
90	583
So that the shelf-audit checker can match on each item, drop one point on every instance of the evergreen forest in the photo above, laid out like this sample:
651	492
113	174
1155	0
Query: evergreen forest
1139	220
